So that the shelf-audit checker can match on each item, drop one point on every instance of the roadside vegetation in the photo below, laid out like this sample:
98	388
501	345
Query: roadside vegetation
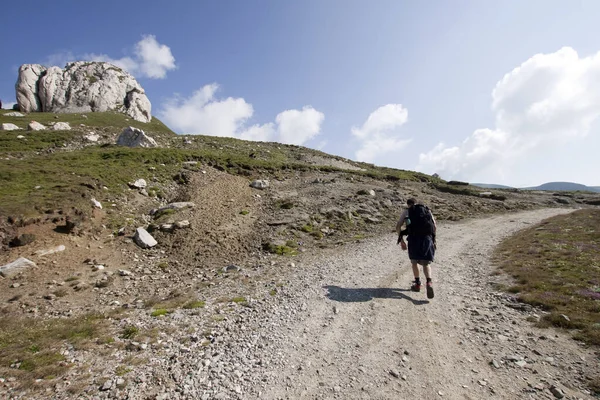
556	267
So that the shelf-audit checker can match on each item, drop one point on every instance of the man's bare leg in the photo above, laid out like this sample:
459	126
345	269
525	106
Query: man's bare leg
415	268
426	271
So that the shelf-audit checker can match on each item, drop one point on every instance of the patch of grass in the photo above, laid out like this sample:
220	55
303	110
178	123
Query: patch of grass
317	235
71	279
129	332
194	304
122	370
556	266
307	228
159	312
239	300
244	212
155	191
60	293
164	213
273	292
282	250
163	265
34	344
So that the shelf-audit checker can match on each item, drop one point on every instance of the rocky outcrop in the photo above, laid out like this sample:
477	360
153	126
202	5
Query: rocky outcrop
81	87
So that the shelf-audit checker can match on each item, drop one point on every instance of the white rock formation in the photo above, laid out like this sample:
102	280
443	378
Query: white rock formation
134	137
81	87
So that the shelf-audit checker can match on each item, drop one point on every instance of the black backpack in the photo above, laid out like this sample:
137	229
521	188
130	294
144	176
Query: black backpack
421	221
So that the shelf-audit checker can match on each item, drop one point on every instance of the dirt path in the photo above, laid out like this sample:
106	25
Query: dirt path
360	334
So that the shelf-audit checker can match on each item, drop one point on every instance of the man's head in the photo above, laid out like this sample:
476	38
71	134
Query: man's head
410	202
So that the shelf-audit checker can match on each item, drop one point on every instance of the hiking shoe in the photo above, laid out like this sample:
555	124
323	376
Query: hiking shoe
429	287
416	286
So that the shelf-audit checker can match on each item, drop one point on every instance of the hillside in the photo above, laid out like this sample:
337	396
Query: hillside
89	310
565	186
550	186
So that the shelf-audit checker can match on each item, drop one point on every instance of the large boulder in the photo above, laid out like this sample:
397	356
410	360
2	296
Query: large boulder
8	127
81	87
134	137
35	126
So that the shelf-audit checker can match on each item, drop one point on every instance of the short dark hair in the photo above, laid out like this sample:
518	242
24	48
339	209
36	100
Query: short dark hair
411	201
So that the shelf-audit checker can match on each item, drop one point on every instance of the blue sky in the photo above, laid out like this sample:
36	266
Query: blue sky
500	92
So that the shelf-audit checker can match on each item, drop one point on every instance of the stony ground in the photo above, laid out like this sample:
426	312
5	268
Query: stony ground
333	321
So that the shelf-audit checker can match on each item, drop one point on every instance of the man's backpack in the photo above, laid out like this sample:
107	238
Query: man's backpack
421	220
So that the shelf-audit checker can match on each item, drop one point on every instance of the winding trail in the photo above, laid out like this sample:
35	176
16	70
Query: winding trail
361	334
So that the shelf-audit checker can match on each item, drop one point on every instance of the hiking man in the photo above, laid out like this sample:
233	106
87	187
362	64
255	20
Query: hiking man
420	227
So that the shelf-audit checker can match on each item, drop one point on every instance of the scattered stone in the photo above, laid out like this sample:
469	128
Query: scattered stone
143	239
134	137
124	272
496	364
9	127
20	137
371	192
97	268
182	224
22	240
15	285
139	184
557	392
521	363
167	227
61	126
92	137
56	249
35	126
231	268
566	318
107	386
96	203
14	114
175	206
260	184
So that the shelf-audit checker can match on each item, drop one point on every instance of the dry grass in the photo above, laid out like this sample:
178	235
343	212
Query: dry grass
30	349
556	266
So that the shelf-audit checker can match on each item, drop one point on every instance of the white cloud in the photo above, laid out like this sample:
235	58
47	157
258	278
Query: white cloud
154	59
299	126
378	135
151	59
204	114
545	102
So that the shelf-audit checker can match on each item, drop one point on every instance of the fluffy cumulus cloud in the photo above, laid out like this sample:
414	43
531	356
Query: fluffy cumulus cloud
204	114
544	102
379	134
150	59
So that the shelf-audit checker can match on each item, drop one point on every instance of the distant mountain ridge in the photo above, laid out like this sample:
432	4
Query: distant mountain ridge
550	186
